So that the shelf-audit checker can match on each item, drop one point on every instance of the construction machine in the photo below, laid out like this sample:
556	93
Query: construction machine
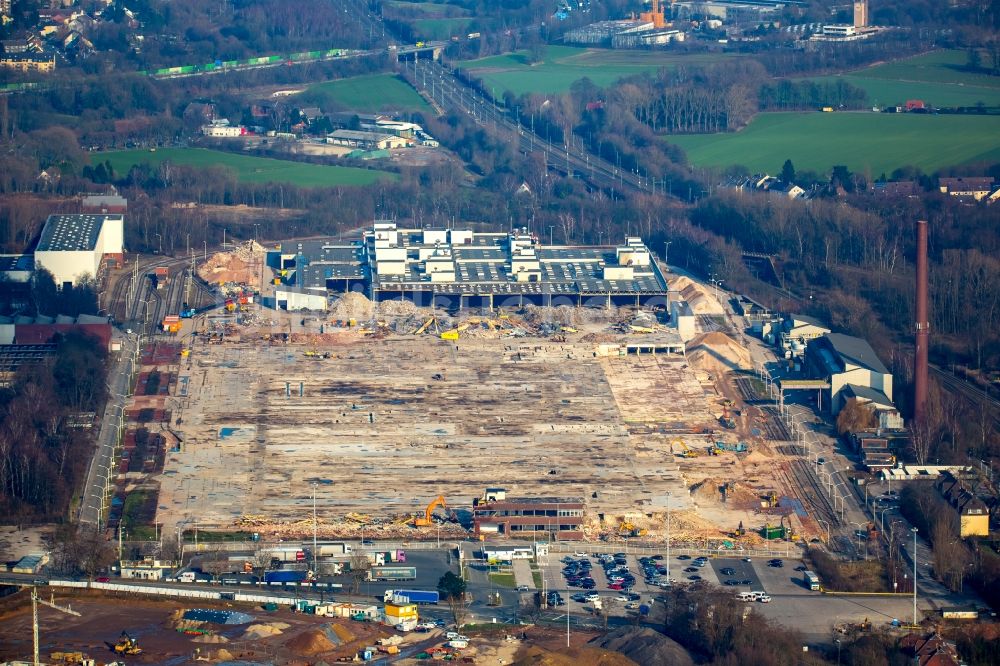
424	326
726	420
628	529
127	645
769	500
427	519
686	451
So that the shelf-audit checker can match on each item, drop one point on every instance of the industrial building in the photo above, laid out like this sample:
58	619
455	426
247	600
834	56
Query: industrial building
366	140
75	245
841	361
459	268
792	333
549	518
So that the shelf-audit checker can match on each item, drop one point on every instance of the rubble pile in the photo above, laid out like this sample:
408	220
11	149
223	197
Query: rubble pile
241	265
717	352
700	299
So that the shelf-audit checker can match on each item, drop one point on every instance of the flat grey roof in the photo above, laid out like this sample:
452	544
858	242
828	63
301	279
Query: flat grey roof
72	233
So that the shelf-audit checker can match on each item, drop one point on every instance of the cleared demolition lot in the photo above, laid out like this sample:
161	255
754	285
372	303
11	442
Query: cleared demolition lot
383	426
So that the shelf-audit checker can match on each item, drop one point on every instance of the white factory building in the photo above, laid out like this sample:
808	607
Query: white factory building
75	245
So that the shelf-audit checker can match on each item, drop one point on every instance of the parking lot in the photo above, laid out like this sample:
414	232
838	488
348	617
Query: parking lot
792	603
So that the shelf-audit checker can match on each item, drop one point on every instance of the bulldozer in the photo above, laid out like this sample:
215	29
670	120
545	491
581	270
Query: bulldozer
769	501
427	519
127	645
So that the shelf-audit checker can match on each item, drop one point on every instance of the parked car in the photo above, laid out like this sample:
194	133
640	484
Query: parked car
683	557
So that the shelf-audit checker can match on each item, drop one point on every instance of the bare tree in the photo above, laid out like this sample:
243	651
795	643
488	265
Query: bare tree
359	571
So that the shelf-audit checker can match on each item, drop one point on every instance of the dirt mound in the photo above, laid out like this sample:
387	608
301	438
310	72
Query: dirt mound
210	638
707	491
256	631
241	265
701	300
716	352
645	646
343	633
313	641
223	655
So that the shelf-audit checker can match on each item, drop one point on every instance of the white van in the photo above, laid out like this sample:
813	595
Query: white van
186	577
764	599
757	595
745	596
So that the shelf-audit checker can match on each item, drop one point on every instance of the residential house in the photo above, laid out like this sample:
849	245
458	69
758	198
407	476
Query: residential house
842	360
766	183
930	650
28	62
974	515
973	187
900	188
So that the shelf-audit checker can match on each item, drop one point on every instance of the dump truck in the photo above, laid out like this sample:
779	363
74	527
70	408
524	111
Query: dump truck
413	596
392	573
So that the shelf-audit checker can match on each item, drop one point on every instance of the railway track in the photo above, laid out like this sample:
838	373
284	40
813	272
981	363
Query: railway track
807	487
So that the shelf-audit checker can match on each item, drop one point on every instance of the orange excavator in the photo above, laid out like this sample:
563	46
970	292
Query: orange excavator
427	519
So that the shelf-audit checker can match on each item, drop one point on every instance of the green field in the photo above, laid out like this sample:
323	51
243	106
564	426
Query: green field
936	78
375	92
561	66
441	28
248	169
878	142
428	7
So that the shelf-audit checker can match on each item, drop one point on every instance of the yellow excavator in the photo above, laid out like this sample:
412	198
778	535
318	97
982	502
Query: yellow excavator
628	529
427	519
127	645
686	451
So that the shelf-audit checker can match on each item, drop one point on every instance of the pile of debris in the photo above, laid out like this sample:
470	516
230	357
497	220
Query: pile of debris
717	352
243	265
700	299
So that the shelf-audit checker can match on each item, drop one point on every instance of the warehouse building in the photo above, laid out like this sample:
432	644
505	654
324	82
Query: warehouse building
75	245
459	268
548	518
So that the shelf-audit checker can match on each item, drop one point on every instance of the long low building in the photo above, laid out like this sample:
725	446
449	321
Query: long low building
457	268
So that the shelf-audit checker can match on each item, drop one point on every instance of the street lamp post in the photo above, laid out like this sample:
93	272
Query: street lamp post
315	551
668	537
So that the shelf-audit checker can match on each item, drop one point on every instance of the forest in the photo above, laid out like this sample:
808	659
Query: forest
43	451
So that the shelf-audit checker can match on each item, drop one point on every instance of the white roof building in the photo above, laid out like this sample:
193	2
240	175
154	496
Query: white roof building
72	246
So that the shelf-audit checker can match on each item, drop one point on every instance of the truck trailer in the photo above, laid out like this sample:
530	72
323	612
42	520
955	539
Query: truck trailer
412	596
392	573
283	576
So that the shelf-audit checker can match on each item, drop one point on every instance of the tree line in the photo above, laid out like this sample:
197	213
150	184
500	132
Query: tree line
43	452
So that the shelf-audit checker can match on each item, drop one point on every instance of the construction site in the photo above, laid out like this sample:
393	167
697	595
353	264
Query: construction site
376	409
